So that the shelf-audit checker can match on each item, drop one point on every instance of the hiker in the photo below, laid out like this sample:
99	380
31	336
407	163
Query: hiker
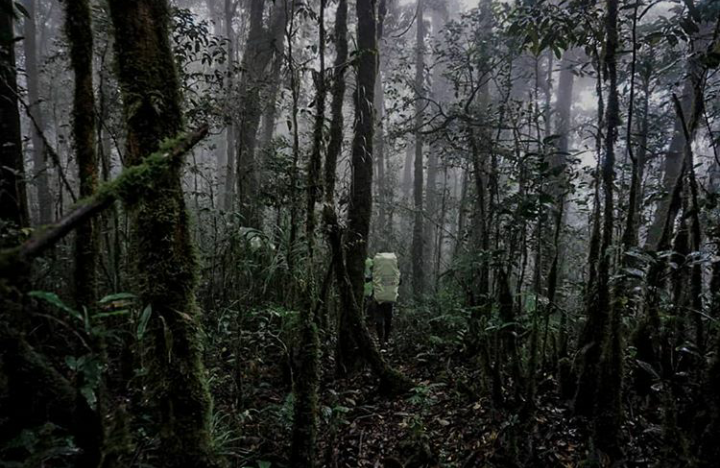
385	278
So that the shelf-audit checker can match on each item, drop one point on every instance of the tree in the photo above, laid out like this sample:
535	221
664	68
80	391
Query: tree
418	238
79	33
13	200
166	266
40	174
608	411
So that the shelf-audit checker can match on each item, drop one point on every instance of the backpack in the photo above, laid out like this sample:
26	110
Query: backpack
385	277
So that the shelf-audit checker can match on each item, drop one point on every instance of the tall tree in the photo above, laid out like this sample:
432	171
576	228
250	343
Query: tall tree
418	234
13	200
166	267
79	32
608	410
562	128
40	174
360	208
227	184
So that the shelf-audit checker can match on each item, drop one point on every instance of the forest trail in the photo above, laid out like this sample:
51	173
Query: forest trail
447	420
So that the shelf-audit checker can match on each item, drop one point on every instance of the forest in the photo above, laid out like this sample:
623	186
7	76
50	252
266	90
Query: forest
359	233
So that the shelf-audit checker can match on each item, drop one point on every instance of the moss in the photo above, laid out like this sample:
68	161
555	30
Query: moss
306	399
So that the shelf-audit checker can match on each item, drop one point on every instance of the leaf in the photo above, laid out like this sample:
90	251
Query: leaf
635	272
21	8
112	314
52	298
144	319
117	297
648	368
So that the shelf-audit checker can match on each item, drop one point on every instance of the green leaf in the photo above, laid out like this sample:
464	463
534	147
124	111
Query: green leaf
112	314
117	297
53	299
144	319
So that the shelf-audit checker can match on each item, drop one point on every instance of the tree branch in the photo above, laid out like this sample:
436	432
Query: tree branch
107	193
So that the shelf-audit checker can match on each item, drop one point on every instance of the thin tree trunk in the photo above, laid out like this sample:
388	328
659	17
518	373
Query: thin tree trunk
40	170
608	412
418	234
590	341
306	385
13	199
79	33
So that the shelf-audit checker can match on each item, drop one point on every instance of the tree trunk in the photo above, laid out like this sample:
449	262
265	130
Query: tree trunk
590	341
166	266
13	200
383	230
226	170
306	384
608	413
79	32
40	174
418	234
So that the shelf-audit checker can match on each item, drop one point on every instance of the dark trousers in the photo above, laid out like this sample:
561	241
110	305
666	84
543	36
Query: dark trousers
383	321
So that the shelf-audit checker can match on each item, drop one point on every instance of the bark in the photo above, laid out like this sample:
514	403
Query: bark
562	129
407	181
360	206
166	266
379	145
608	412
79	32
590	341
348	346
13	200
439	93
40	174
293	71
226	169
307	382
632	226
418	234
315	163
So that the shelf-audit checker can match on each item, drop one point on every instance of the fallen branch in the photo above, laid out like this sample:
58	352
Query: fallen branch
170	153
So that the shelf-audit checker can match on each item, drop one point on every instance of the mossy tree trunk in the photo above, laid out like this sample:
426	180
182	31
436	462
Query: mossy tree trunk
88	424
608	411
307	381
79	32
165	262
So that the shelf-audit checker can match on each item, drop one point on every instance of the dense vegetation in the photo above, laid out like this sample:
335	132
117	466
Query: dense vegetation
189	191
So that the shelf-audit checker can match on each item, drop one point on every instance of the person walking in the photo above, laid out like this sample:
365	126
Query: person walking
385	284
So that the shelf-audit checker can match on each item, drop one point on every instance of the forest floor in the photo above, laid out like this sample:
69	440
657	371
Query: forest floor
447	420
